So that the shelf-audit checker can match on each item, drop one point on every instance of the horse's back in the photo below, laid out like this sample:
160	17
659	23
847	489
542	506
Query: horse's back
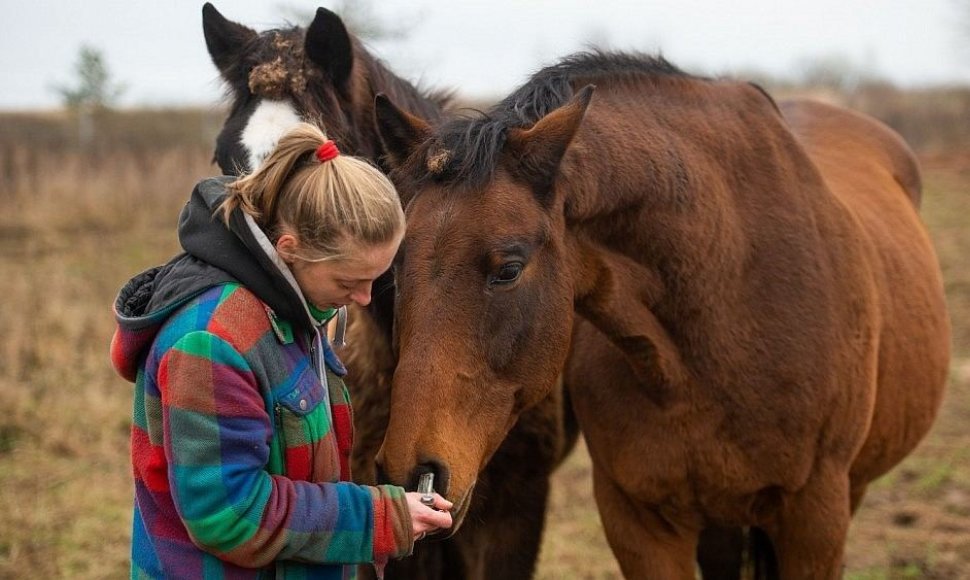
875	175
857	142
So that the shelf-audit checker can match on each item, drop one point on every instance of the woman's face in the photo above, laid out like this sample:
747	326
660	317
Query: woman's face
337	283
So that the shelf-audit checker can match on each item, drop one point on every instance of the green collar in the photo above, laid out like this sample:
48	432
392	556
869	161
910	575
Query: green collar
321	316
284	330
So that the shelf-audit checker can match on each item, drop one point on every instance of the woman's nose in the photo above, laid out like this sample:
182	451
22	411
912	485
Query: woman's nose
362	295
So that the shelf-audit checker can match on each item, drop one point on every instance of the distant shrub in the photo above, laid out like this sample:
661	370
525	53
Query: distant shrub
931	120
32	143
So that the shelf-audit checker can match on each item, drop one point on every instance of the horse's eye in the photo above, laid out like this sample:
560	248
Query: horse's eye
508	273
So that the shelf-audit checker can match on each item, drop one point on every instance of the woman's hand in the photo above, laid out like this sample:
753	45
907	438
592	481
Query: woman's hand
423	518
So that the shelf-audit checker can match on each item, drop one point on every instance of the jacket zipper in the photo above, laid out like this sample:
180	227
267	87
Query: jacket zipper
319	367
278	411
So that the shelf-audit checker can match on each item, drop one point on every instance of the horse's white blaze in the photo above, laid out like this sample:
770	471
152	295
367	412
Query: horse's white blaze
265	127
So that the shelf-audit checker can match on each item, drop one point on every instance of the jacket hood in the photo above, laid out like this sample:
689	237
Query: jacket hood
213	255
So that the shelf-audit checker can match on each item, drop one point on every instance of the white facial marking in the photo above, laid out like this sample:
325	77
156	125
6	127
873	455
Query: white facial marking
265	127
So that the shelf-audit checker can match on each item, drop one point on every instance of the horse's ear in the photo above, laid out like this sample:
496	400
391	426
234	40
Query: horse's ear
224	38
537	151
400	131
328	45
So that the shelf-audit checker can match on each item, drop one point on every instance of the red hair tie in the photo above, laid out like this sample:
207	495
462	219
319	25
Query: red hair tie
327	151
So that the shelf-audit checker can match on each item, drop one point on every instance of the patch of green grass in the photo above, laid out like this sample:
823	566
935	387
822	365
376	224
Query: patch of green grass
9	435
878	573
934	479
885	482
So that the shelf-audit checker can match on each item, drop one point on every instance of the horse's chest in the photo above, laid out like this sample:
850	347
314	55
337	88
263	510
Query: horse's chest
700	458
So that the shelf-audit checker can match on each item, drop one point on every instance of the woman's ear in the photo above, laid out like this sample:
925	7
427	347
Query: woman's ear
287	246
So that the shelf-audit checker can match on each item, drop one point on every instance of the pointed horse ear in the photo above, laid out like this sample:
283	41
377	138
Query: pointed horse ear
224	38
328	45
538	150
400	131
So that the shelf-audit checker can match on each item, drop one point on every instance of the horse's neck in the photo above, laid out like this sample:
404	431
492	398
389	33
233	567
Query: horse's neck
684	166
654	220
615	285
660	141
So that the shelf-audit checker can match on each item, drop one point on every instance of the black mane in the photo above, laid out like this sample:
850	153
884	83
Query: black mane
474	144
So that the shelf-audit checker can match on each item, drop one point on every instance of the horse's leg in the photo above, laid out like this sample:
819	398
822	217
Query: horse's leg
645	544
431	560
812	526
505	542
857	494
516	539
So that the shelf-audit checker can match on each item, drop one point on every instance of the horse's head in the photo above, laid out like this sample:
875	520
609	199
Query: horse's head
277	78
486	293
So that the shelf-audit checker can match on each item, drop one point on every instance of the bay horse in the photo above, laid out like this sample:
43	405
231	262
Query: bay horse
324	75
740	294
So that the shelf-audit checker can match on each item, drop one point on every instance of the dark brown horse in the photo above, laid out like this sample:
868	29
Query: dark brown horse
324	75
745	305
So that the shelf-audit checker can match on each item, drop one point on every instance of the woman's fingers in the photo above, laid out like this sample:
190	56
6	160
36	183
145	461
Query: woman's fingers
441	503
438	519
426	519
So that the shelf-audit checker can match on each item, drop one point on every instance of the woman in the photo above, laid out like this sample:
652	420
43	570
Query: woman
242	425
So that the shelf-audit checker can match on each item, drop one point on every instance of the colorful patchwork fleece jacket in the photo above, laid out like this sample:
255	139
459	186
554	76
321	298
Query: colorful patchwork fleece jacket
242	425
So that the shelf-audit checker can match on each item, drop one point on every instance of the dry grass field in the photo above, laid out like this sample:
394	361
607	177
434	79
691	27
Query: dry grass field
80	218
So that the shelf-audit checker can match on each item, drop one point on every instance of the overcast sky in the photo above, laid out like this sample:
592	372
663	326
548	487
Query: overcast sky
488	47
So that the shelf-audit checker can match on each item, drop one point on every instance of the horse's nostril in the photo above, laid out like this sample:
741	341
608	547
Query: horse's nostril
440	475
411	483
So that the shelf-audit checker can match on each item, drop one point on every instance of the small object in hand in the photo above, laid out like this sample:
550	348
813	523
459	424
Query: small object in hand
426	489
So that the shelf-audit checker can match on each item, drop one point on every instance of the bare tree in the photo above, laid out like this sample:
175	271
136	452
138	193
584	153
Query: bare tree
92	92
93	86
836	72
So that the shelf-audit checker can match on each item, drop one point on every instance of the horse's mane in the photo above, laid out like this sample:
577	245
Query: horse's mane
473	144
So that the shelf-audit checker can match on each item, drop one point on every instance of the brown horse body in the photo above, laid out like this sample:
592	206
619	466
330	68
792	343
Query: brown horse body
324	75
761	326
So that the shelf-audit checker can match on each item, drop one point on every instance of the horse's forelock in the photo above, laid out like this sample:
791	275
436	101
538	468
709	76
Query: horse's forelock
277	65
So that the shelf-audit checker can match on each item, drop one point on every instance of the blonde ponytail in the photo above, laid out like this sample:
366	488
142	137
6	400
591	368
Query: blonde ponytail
325	204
